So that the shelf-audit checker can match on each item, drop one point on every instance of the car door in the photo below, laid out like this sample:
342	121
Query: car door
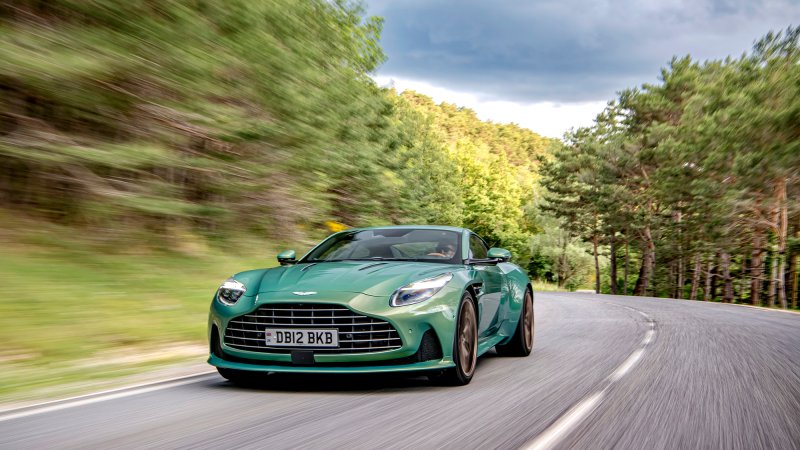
491	289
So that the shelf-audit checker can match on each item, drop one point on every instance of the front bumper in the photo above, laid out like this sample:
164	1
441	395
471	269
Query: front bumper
436	316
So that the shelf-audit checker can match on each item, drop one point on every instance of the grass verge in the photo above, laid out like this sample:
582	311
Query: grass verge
543	286
75	311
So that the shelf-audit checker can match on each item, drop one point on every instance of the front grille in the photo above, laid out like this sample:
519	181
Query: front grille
357	333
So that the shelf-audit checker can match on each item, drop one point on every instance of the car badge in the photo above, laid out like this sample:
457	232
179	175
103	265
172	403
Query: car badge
304	293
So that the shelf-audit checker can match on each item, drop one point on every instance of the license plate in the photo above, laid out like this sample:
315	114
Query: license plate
285	337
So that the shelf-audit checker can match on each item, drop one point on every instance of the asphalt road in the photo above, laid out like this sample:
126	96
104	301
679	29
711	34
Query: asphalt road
606	372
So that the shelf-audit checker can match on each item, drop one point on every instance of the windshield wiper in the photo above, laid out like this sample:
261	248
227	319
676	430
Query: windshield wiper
376	258
381	258
376	264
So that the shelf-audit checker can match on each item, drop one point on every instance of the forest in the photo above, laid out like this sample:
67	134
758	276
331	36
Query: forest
689	187
148	123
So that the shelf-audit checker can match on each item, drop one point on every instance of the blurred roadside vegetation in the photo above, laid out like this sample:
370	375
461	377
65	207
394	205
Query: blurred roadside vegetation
150	149
215	118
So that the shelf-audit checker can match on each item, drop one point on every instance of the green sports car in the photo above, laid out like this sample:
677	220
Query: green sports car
384	299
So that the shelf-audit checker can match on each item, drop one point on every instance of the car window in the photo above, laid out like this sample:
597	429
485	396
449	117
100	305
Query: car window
477	248
399	244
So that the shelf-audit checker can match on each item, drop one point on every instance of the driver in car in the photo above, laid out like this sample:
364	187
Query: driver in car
445	251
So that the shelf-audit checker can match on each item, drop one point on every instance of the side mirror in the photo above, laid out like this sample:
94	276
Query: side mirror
287	257
499	253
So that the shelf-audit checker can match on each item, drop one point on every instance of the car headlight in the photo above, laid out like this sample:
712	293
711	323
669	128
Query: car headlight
419	291
230	291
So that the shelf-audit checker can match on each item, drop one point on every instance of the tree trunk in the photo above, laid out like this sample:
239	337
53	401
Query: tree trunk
783	231
627	265
596	265
562	263
773	285
727	289
715	277
613	263
641	279
652	282
698	269
756	268
707	295
679	268
793	276
743	285
671	283
773	266
646	270
782	280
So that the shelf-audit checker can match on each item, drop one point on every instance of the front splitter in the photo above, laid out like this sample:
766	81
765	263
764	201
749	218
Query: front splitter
425	365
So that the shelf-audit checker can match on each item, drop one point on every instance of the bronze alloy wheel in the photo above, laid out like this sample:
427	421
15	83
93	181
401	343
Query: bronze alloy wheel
465	346
528	321
467	337
521	343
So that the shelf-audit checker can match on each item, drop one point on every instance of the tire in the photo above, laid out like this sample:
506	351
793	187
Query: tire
465	346
521	344
239	377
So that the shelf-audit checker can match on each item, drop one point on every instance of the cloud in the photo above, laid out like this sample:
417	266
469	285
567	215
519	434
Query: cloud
545	118
562	51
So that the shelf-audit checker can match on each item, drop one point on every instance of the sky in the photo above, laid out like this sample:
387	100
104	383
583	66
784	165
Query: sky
551	65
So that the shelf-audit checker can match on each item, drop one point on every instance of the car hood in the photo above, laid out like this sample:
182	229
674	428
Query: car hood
366	277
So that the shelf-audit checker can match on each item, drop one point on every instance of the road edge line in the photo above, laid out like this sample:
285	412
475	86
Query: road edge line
95	397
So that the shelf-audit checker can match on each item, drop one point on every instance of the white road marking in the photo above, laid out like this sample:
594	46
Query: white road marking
648	337
569	420
641	313
565	422
97	397
627	365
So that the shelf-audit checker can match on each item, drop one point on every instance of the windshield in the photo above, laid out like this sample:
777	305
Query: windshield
390	244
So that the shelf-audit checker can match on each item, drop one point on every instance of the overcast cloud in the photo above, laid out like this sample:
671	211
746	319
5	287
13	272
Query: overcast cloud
562	51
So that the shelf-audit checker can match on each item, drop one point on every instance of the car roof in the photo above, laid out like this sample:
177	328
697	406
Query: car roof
413	227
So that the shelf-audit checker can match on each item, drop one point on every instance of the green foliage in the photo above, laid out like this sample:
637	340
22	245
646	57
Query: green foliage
489	173
219	101
558	256
255	116
698	172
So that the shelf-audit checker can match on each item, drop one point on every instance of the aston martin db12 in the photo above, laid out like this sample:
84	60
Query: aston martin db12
426	299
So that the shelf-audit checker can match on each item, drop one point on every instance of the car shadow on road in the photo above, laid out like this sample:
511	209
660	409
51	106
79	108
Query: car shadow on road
328	383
